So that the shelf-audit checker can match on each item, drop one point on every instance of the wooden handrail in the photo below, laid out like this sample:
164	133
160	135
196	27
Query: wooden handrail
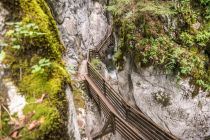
133	116
119	124
129	122
104	41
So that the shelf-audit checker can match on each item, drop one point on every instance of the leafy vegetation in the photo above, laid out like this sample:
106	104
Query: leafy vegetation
180	47
39	68
206	5
20	33
162	98
97	64
2	55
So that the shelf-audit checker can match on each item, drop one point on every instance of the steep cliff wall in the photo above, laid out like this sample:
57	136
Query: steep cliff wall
163	62
82	24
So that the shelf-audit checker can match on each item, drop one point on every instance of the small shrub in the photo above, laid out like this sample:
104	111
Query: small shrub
97	64
39	68
162	98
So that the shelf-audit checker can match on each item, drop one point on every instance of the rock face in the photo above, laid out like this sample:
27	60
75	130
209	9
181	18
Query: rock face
82	24
168	103
8	90
72	117
125	83
3	15
15	101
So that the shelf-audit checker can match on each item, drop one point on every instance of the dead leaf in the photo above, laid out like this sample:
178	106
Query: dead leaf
14	134
34	124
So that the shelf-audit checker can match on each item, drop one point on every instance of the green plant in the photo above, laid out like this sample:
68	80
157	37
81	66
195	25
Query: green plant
188	14
28	42
39	68
142	35
2	56
187	39
118	7
97	64
203	37
21	35
165	53
162	98
200	39
206	4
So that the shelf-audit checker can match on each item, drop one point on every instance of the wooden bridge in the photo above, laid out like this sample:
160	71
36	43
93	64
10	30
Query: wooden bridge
129	122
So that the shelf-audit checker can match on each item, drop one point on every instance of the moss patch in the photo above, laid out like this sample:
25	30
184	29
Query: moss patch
52	111
50	117
37	11
78	97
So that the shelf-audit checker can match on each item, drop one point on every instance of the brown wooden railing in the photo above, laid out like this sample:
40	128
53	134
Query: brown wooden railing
118	124
105	42
128	121
134	117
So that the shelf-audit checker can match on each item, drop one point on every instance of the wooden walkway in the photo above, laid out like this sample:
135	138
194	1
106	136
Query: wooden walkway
120	116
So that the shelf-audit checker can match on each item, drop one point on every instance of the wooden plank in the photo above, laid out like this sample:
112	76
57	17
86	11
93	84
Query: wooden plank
111	108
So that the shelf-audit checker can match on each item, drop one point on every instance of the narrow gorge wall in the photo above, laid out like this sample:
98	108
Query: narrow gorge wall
82	26
169	103
158	70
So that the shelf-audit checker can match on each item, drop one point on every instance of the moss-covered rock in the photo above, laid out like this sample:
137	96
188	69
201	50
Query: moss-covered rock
52	111
37	11
170	35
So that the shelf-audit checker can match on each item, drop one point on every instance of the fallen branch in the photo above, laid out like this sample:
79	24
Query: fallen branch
7	112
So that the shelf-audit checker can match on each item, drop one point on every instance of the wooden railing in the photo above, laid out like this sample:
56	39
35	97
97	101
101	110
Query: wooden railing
118	124
145	126
128	121
105	42
104	87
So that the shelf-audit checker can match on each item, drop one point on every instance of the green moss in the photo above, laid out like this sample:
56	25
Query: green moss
97	64
49	82
37	11
49	117
78	98
5	128
118	57
53	110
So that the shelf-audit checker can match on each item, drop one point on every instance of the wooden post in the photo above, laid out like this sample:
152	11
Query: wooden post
99	105
113	124
127	110
104	86
88	89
